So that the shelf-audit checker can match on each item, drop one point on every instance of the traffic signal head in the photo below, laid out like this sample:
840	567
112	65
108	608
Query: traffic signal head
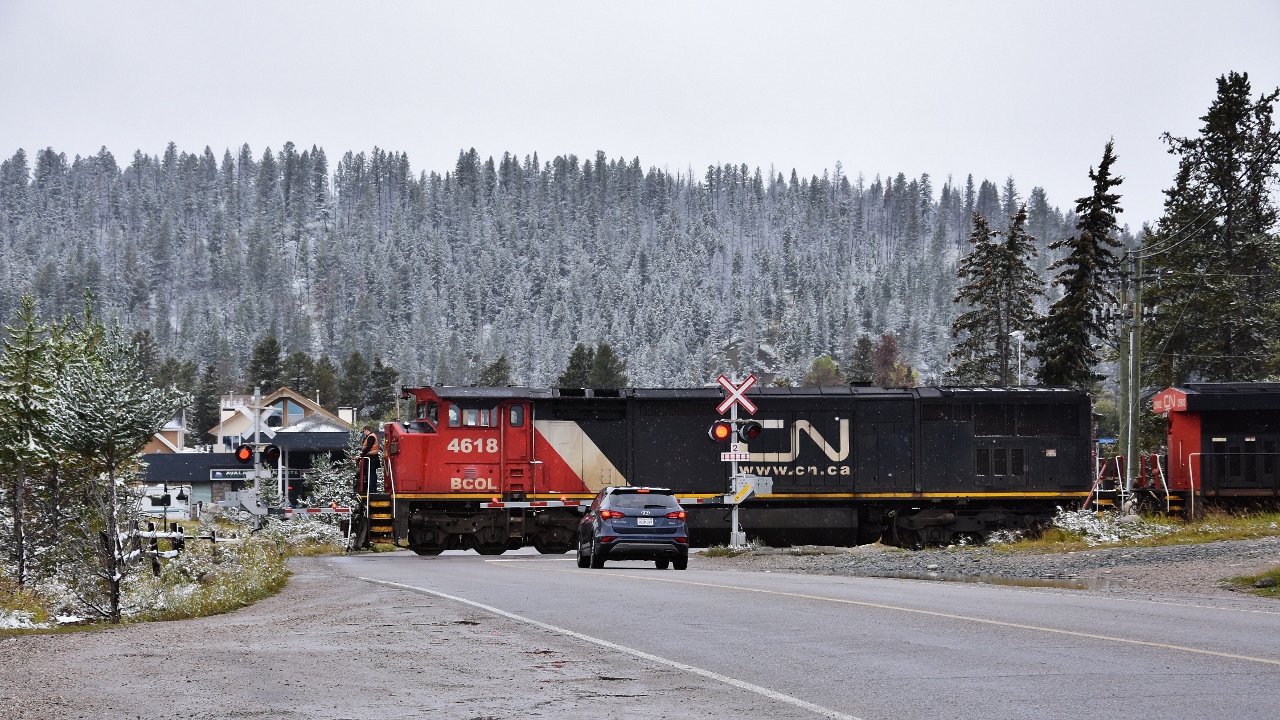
244	454
721	431
270	455
749	430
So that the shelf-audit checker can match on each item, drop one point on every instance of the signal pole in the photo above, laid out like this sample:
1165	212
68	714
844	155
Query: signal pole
737	538
257	441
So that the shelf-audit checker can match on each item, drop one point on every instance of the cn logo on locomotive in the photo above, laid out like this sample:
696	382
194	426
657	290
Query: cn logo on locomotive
472	484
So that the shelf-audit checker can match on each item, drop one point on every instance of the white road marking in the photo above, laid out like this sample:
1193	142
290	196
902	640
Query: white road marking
949	616
742	684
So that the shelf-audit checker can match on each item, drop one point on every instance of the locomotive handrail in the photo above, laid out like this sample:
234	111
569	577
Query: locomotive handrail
1163	484
1192	470
391	476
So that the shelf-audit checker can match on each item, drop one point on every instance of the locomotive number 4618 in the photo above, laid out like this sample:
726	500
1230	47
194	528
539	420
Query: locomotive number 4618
467	445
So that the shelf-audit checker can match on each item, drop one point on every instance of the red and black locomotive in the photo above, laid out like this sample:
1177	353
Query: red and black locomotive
499	468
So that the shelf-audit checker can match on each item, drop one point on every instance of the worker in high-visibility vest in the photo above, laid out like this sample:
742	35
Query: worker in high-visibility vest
369	458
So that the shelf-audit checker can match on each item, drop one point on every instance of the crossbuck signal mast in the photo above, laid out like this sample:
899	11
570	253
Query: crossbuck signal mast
741	432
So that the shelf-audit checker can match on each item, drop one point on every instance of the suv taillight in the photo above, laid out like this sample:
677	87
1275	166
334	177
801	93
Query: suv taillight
606	514
677	515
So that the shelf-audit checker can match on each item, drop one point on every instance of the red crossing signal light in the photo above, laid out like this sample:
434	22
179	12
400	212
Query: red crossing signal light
721	431
750	430
244	454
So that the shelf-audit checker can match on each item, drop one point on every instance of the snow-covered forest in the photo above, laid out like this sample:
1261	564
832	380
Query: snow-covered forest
683	273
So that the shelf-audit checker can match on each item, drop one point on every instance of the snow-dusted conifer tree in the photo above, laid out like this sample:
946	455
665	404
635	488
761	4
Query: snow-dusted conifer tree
103	413
26	392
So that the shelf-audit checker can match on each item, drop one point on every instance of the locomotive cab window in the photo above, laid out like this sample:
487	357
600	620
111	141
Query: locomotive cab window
517	416
429	411
455	416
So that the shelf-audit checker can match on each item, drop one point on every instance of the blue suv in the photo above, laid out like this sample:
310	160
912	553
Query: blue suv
634	523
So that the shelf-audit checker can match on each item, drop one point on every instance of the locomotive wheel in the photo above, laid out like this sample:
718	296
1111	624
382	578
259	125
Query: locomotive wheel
423	550
491	549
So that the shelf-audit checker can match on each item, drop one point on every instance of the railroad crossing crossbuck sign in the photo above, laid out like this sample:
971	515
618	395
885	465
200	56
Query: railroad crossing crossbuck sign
737	394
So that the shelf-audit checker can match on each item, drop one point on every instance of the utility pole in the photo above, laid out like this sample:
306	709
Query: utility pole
1123	346
1130	362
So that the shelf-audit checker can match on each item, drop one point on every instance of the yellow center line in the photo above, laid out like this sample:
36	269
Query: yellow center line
930	613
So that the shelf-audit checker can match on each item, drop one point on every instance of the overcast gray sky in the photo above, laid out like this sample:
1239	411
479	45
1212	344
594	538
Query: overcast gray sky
1028	89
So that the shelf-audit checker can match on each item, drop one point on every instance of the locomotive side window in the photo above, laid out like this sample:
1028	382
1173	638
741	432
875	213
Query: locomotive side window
983	463
477	417
455	416
433	412
517	416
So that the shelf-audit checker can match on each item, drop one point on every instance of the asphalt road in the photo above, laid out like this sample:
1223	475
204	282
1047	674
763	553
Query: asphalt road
879	648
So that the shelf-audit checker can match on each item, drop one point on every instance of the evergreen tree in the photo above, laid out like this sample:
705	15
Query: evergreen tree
891	370
1000	288
381	391
144	344
1215	247
355	378
330	482
207	406
1064	340
175	373
106	413
265	369
823	373
298	372
607	369
325	383
862	363
577	372
26	395
496	373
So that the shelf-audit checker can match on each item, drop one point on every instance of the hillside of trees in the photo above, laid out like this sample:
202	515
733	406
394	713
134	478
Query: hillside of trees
439	275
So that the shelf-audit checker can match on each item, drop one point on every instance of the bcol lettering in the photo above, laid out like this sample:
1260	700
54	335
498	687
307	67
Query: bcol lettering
472	484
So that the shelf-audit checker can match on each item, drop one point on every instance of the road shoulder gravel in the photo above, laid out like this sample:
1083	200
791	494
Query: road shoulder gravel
332	646
1183	570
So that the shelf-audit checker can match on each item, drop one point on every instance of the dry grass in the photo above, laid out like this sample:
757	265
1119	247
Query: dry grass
1211	527
16	600
724	551
1249	583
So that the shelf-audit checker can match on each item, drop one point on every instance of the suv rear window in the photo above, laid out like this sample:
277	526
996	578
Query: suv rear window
638	501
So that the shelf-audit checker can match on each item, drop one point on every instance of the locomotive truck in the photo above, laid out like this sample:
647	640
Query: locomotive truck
499	468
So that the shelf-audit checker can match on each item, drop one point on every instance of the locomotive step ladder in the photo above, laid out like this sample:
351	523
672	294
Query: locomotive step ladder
381	523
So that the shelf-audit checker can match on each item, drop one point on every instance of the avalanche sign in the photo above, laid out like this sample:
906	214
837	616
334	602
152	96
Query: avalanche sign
737	394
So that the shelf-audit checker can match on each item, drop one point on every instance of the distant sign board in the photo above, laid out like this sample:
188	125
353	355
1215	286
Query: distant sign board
247	474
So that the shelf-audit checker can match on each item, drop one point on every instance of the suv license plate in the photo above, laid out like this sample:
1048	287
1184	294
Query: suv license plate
644	521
